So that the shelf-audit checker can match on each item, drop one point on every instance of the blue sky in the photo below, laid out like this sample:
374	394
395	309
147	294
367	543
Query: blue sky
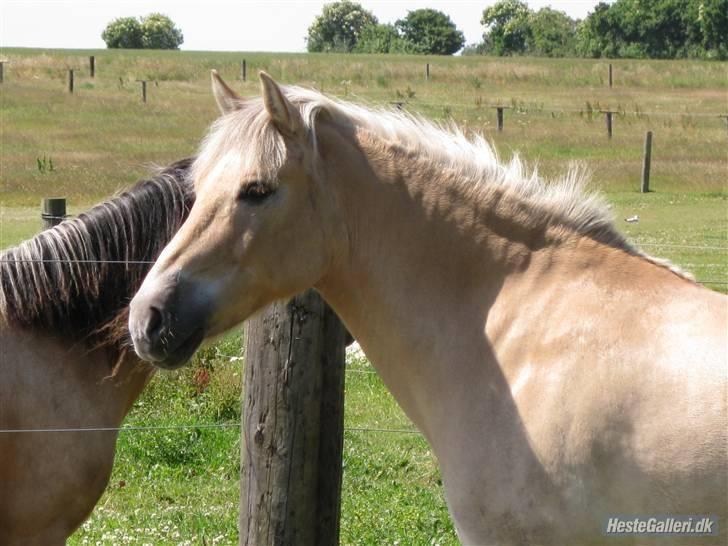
224	25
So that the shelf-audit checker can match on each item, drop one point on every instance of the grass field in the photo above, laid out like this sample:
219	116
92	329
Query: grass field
181	486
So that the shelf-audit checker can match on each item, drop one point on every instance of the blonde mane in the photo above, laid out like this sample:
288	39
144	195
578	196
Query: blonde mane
564	201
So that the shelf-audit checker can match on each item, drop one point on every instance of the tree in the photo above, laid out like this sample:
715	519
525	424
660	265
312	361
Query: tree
159	32
712	17
656	29
339	27
506	27
124	33
382	38
551	33
431	32
155	31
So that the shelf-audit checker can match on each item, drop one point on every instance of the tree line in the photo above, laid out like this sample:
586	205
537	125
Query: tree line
650	29
657	29
660	29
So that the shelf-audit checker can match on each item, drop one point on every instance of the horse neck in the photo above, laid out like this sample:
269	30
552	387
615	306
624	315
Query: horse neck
424	264
413	225
92	387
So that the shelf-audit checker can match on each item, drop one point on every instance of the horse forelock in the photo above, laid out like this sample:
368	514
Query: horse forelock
565	202
76	279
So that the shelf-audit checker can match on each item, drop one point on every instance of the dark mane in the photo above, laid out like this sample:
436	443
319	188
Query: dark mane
73	280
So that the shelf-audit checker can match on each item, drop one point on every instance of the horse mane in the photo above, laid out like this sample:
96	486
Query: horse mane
564	202
75	280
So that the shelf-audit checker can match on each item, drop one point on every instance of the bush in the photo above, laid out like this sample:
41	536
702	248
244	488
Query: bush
123	33
382	39
159	32
339	27
155	31
431	32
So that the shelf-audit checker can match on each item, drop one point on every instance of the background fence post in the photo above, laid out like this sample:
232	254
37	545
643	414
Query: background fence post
243	70
52	211
608	114
645	186
70	81
499	117
427	71
92	66
610	75
144	90
292	431
1	71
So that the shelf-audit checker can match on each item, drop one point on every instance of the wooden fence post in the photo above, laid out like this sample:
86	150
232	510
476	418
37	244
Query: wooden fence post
52	211
70	81
92	66
610	75
243	70
144	90
499	117
292	431
427	71
1	72
645	186
608	114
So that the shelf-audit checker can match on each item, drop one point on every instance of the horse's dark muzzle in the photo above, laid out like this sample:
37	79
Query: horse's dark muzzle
165	330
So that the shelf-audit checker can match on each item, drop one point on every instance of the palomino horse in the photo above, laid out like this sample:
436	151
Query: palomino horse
559	374
65	361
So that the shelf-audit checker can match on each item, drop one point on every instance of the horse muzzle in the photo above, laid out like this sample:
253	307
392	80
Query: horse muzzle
167	322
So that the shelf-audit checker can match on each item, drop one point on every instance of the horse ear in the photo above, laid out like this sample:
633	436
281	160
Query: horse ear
227	99
285	117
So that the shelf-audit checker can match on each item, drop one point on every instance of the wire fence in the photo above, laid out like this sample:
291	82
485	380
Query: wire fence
523	107
349	370
153	428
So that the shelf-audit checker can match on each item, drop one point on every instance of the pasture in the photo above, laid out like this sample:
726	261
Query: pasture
180	485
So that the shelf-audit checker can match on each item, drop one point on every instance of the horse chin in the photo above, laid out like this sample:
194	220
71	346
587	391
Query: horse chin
183	352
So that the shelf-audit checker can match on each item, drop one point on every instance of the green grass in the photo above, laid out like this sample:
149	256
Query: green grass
181	486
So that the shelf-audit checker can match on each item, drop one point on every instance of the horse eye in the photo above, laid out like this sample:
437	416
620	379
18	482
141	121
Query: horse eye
255	192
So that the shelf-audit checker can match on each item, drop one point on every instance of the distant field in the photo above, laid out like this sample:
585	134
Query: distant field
172	487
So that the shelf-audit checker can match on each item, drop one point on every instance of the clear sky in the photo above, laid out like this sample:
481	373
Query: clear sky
223	25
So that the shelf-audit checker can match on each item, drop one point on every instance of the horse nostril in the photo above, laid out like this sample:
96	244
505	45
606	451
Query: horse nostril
155	323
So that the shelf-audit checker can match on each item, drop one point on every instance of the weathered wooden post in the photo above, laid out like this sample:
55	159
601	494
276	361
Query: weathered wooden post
292	431
610	75
243	70
724	116
144	90
645	186
70	81
1	72
53	211
499	117
608	114
427	71
92	66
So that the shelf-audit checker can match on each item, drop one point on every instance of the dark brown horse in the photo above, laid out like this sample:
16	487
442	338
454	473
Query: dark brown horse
64	358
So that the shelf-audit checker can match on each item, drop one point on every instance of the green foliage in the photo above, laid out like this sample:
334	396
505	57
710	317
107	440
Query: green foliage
155	31
551	33
123	33
506	27
650	29
712	17
382	38
339	27
44	164
661	29
431	32
159	32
